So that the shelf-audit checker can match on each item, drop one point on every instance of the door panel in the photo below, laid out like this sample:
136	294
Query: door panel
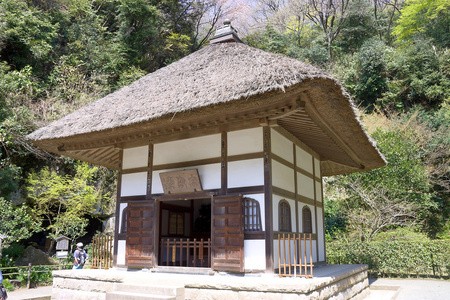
227	234
140	234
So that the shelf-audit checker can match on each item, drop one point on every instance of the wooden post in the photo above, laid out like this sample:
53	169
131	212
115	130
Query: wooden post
279	255
29	275
295	255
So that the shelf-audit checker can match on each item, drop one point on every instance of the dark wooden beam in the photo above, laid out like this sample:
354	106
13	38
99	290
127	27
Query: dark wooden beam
185	196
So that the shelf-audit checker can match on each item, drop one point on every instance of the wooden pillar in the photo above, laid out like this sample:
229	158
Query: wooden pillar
148	197
323	221
268	199
224	163
315	208
117	224
297	216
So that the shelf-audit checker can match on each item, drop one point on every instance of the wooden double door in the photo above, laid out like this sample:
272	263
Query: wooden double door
227	234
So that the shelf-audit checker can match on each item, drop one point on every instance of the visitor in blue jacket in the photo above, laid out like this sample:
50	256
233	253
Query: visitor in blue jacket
79	257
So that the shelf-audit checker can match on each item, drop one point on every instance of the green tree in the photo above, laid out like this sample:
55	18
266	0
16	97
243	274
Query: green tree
425	19
412	190
149	39
359	26
398	194
62	202
419	74
26	35
431	130
367	81
269	40
330	15
15	222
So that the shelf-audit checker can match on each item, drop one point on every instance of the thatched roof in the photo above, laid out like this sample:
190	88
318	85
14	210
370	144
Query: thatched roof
217	80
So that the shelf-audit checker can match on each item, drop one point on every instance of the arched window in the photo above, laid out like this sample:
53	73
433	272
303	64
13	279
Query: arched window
123	225
284	216
252	215
307	220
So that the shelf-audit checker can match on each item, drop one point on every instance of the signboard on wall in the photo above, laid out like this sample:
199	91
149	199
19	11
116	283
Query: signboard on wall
186	181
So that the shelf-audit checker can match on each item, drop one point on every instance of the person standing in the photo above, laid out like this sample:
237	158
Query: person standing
79	257
3	294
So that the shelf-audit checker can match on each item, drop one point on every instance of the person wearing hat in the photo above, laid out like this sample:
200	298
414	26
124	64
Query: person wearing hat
79	257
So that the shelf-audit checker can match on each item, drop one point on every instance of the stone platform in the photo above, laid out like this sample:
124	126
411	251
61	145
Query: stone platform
330	282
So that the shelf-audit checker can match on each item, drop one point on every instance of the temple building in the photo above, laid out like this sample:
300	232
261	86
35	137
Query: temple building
217	153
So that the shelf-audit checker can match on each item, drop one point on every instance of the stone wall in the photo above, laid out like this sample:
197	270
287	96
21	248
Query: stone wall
336	282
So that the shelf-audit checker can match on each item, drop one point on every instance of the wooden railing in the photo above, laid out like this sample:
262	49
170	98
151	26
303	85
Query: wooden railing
185	253
32	273
293	258
102	252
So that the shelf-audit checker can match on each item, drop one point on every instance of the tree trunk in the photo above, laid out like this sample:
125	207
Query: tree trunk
330	58
50	248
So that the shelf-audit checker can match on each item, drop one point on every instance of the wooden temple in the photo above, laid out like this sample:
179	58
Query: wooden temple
217	153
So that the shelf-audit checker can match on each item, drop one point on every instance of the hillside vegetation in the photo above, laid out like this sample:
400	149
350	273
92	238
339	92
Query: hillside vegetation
392	57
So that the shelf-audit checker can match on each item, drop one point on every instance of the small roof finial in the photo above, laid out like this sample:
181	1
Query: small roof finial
225	34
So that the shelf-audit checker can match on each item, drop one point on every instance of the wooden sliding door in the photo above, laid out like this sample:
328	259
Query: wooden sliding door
140	234
227	234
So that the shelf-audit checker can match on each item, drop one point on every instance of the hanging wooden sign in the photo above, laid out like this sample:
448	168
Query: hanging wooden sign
186	181
62	243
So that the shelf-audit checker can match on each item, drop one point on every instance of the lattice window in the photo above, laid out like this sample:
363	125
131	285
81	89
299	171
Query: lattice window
252	215
176	223
284	216
307	220
123	225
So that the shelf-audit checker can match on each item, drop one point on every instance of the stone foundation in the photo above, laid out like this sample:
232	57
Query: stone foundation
336	282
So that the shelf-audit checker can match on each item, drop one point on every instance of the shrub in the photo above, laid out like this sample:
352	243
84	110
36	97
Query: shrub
8	285
394	258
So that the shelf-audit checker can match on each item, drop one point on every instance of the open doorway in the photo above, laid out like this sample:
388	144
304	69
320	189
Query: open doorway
185	233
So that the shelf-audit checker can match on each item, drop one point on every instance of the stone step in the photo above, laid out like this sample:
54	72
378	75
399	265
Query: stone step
136	296
152	289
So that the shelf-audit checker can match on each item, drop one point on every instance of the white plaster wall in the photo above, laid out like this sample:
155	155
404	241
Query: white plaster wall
313	217
282	146
319	191
135	157
286	249
134	184
260	199
187	150
283	176
121	248
305	186
304	160
275	203
255	255
308	253
317	168
210	177
248	172
320	234
122	207
245	141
